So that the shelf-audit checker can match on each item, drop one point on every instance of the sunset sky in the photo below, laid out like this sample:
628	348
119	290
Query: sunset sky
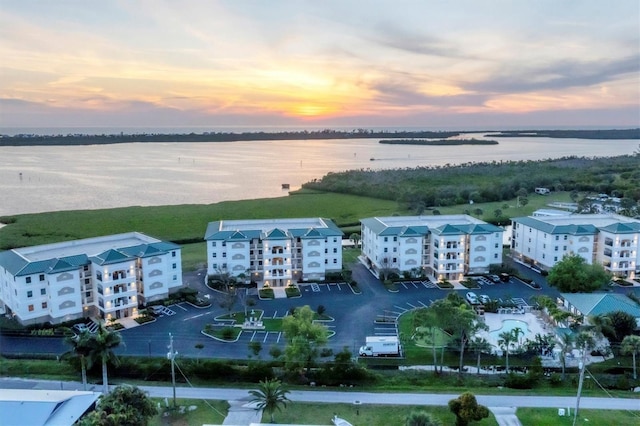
425	63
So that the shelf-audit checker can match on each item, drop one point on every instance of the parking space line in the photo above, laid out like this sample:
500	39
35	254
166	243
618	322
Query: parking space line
402	310
253	336
339	288
274	314
420	302
279	336
413	306
328	287
266	335
181	307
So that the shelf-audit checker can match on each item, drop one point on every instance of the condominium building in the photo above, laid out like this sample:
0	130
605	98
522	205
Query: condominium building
442	247
608	239
106	277
274	252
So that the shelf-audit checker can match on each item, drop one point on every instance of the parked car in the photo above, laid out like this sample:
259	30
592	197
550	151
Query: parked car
494	278
504	277
155	310
484	299
472	298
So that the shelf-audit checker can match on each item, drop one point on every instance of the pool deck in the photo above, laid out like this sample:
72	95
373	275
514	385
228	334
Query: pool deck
494	322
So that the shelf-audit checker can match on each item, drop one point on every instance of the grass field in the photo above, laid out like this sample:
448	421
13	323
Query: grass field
184	223
428	337
205	412
361	415
549	417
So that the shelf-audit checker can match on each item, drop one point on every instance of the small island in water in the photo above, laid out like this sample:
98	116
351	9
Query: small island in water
438	142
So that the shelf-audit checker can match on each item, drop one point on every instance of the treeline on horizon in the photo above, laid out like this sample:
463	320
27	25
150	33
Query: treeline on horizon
81	139
438	142
575	134
448	185
86	139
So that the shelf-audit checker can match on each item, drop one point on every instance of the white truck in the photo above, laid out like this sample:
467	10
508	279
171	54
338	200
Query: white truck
380	346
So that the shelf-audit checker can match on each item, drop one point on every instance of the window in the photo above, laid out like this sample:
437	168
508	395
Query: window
555	258
395	260
44	305
30	293
28	280
175	277
174	266
30	308
557	237
224	254
335	260
386	239
215	254
543	256
564	248
43	291
173	254
41	277
326	261
556	248
565	238
395	239
224	244
335	250
544	246
386	249
213	243
214	266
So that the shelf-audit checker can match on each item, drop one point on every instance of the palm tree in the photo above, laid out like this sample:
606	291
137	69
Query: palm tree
270	396
566	344
479	345
355	238
80	347
102	345
505	340
631	345
517	332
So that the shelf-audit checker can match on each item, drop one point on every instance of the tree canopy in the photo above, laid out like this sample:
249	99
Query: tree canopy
124	406
304	338
467	409
574	275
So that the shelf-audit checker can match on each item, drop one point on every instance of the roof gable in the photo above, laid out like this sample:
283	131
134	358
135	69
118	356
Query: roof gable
276	234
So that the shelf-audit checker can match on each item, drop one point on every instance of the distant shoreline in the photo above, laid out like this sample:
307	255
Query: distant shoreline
440	142
83	139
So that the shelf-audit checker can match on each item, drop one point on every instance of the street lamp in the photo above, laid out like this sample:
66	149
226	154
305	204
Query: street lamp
172	356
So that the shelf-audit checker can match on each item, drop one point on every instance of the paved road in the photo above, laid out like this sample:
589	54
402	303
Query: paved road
323	396
354	317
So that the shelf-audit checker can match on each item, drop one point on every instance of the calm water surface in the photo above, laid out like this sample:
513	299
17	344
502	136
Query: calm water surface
38	179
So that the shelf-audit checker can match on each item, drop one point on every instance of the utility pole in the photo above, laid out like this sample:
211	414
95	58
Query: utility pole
582	366
172	355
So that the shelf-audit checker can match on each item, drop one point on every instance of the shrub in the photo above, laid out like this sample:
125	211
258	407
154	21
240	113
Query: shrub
228	333
555	380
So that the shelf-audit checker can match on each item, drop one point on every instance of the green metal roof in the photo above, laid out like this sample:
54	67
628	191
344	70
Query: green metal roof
110	257
622	228
276	234
549	228
602	303
215	232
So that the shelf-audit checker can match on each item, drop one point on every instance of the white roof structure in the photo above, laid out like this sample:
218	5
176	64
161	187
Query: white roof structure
36	407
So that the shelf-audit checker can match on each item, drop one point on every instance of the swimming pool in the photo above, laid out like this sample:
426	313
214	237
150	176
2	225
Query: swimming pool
509	325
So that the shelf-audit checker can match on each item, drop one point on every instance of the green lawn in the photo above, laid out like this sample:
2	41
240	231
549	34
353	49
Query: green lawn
185	223
549	417
429	337
205	412
361	415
